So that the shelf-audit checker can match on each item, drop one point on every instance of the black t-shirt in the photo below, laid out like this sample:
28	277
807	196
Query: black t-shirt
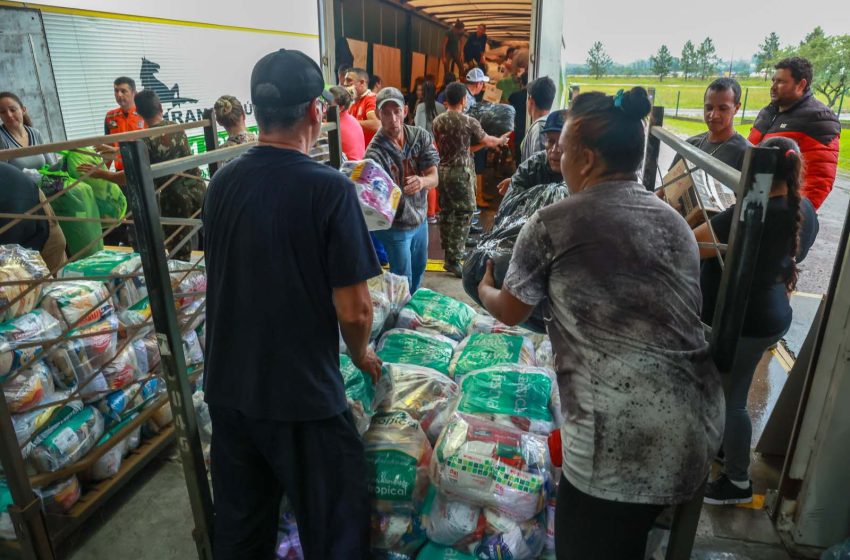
281	231
519	101
18	194
474	47
731	152
768	308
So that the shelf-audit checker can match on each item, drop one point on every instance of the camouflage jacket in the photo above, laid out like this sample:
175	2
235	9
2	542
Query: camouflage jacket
532	172
170	146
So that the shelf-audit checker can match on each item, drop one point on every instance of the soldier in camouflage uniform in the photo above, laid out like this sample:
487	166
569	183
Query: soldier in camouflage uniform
543	167
455	134
184	196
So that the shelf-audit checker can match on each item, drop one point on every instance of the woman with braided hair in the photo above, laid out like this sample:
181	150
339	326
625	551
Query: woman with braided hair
790	228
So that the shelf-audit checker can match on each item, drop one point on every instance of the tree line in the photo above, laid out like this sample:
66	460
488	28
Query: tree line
829	55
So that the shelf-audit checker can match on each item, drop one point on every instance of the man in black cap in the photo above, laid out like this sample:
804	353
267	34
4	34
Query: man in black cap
543	167
287	257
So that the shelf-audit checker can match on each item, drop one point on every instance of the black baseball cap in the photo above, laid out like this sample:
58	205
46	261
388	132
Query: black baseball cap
555	121
285	78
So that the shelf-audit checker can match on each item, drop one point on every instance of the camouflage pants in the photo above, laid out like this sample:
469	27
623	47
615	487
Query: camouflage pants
182	199
457	204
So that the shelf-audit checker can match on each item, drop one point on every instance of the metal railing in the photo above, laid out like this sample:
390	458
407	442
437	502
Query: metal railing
170	319
752	188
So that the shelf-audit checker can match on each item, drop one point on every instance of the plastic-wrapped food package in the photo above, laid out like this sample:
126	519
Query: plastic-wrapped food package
152	349
17	263
522	204
34	327
192	349
7	529
397	455
493	466
193	315
60	414
359	391
396	289
454	523
79	359
28	387
380	313
524	397
110	199
487	324
402	346
549	545
432	311
116	403
28	423
69	441
77	302
480	351
202	412
77	201
188	279
496	118
128	291
121	371
396	535
135	315
508	539
288	541
61	496
107	465
546	355
434	551
425	394
377	192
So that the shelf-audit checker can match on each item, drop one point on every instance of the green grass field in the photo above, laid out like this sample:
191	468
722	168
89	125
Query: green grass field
691	128
689	92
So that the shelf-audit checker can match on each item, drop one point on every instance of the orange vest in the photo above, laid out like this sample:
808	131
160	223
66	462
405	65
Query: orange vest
118	121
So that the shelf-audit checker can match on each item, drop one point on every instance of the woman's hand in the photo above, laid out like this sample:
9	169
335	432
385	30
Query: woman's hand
89	170
504	186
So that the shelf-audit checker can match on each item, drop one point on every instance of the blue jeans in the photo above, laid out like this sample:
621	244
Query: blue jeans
738	436
379	249
407	250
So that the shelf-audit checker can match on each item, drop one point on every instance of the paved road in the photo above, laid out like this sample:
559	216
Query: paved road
816	270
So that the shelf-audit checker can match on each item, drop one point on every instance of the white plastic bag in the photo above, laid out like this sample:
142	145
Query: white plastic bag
425	394
431	311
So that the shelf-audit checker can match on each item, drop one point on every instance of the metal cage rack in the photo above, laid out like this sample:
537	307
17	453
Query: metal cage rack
168	305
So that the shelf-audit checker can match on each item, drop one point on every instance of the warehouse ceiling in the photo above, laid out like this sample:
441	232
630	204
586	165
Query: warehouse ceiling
506	20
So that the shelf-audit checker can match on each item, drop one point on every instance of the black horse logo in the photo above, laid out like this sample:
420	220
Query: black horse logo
149	81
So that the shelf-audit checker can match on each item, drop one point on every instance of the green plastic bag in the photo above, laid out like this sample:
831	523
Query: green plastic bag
481	351
111	201
435	312
77	202
401	346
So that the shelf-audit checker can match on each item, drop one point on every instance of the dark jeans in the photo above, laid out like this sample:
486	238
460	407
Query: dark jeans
588	527
319	465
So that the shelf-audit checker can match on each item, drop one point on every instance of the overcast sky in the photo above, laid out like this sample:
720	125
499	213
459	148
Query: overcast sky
632	30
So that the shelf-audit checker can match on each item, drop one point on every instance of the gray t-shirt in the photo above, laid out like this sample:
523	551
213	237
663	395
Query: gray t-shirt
731	152
37	161
618	272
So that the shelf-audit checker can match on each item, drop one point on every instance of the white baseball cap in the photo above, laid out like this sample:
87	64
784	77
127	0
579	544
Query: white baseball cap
476	75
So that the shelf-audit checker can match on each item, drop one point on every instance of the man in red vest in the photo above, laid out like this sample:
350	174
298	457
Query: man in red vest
124	118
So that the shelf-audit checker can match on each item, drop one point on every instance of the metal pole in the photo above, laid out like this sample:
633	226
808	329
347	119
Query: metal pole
744	108
678	97
744	242
653	149
211	137
334	143
841	105
149	235
26	513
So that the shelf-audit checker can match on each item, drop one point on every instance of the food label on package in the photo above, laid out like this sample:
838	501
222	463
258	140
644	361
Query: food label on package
393	475
507	392
435	307
66	441
469	471
486	350
510	479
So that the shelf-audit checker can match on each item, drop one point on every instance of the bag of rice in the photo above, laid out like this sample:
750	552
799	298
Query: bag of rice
359	391
397	456
17	263
401	346
425	394
492	466
69	441
480	351
128	291
61	496
34	327
431	311
188	280
397	291
77	302
520	396
487	324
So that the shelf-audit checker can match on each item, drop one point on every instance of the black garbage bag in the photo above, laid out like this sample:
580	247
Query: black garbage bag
496	119
498	244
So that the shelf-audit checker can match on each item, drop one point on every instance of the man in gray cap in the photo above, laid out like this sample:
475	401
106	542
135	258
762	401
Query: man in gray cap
287	256
408	154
